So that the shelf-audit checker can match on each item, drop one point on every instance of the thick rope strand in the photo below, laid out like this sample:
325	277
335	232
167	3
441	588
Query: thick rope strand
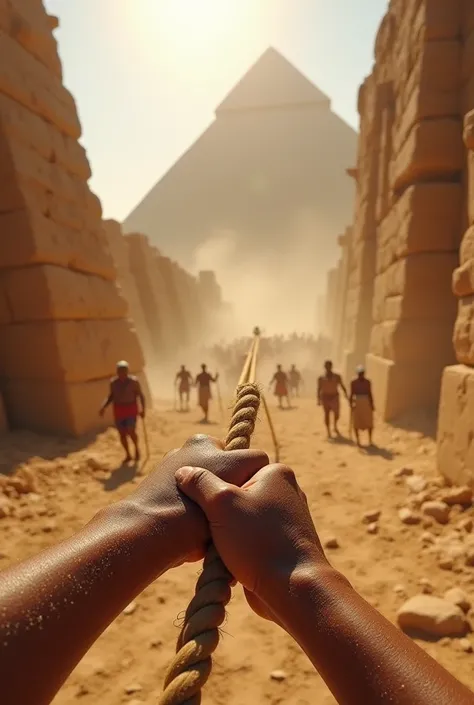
199	636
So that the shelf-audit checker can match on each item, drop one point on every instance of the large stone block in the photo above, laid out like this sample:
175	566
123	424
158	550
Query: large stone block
41	293
68	351
399	388
26	80
433	149
49	406
455	425
425	219
21	125
28	24
441	19
424	281
29	237
463	279
463	337
410	341
4	427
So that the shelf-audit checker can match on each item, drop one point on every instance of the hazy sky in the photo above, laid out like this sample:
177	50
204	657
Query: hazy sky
147	74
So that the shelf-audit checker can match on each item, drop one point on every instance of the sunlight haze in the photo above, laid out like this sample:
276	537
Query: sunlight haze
148	74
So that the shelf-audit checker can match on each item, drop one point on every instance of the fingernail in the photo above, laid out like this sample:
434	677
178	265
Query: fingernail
183	474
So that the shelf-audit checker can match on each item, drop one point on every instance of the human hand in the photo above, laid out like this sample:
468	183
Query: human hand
263	531
181	526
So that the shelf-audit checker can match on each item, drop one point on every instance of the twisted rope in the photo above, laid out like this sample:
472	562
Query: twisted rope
199	636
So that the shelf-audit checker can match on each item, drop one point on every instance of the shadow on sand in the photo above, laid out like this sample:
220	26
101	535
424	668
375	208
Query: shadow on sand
120	476
378	451
341	440
19	447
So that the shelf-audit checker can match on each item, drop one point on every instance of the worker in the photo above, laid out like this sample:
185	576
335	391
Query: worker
203	384
328	396
53	606
296	380
280	380
185	380
362	405
125	392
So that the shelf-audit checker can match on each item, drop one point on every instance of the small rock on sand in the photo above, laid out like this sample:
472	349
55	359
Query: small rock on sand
458	495
432	615
278	676
400	590
466	525
372	516
130	609
331	542
408	517
438	510
133	688
466	646
373	528
426	586
458	597
416	484
403	472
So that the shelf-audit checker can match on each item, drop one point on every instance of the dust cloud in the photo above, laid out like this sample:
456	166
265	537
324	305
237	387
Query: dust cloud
267	286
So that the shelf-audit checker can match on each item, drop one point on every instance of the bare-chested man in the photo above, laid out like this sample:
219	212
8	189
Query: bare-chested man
125	391
328	396
295	380
280	380
362	405
203	383
185	380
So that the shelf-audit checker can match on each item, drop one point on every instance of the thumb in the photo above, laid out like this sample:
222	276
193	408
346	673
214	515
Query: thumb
201	485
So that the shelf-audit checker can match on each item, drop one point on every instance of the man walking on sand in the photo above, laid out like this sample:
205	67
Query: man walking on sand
295	380
280	380
125	391
203	383
328	396
362	405
185	380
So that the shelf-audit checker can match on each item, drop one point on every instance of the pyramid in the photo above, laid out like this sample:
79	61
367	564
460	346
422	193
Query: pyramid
272	82
270	170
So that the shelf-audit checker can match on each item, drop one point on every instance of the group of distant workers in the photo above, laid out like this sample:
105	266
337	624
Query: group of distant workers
360	399
128	401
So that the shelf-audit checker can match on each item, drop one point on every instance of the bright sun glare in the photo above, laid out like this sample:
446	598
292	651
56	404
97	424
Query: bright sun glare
193	23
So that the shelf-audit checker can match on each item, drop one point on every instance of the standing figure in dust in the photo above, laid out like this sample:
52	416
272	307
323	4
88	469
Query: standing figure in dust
295	381
328	396
280	380
362	405
203	384
125	391
185	380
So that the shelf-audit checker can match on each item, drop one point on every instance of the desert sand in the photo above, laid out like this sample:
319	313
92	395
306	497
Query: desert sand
70	482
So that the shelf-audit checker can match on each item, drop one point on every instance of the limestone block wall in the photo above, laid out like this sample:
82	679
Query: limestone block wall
341	297
331	294
128	285
62	320
456	410
404	246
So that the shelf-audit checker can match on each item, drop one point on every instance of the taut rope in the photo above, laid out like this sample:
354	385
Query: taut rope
199	636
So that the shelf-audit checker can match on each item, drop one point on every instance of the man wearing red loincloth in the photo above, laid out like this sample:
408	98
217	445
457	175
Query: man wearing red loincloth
203	383
125	390
280	380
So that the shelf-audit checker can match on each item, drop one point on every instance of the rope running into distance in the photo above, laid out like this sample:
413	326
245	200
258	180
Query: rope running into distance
199	636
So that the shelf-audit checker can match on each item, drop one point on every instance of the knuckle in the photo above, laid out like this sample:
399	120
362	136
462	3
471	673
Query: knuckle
197	439
223	497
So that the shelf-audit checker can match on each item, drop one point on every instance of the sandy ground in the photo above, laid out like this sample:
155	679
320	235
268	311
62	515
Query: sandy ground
341	483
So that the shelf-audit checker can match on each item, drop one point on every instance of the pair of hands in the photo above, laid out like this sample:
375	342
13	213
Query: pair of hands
255	513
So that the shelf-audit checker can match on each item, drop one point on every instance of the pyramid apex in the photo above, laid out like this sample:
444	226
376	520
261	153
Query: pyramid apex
272	82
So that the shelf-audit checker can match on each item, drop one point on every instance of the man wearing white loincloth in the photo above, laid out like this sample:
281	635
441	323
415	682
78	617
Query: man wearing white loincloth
362	405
